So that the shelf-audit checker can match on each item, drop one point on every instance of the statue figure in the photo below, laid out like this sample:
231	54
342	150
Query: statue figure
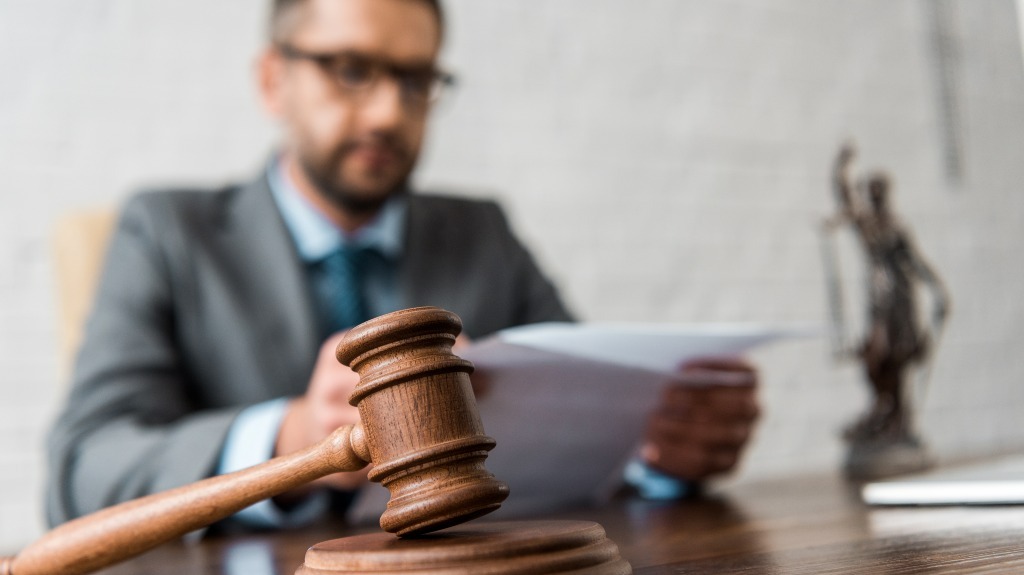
883	442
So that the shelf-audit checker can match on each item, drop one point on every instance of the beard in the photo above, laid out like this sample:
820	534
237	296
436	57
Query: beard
326	171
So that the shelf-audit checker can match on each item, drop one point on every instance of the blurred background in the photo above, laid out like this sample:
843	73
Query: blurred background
666	160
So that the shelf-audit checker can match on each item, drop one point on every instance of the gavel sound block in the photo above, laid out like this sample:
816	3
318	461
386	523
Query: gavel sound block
419	426
512	548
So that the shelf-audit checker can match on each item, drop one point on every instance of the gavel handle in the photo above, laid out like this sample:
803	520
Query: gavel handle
133	527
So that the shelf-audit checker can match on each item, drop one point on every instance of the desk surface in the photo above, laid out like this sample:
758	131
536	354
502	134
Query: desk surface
804	526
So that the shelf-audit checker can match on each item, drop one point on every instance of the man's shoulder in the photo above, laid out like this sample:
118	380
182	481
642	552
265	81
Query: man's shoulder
431	205
180	199
459	220
193	206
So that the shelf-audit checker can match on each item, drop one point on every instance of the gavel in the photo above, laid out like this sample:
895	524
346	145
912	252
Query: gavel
419	426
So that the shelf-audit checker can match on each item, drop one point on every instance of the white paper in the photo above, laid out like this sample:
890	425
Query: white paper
655	347
567	404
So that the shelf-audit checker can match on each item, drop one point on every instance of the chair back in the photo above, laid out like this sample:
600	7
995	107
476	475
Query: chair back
80	244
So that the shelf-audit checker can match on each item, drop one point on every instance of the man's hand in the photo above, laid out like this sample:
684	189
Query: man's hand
704	420
479	379
323	409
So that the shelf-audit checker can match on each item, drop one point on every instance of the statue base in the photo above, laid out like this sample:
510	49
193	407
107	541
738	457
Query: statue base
869	459
501	548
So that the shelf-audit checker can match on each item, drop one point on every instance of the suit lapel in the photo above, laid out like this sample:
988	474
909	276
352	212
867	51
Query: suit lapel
273	282
424	243
431	274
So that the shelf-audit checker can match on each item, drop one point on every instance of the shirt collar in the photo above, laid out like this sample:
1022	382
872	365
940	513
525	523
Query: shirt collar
316	237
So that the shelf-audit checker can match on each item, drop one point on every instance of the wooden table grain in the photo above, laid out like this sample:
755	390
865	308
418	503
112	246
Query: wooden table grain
814	525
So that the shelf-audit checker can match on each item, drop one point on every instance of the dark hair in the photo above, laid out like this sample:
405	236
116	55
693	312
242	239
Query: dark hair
283	13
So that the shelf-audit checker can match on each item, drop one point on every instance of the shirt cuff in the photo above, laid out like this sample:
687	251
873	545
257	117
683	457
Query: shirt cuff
250	441
653	484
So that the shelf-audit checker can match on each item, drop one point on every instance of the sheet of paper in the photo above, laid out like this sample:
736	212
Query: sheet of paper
656	347
565	418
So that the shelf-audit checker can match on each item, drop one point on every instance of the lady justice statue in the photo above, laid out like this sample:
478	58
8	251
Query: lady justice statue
882	442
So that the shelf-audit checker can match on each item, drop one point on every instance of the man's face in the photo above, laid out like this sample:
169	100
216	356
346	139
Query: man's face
357	147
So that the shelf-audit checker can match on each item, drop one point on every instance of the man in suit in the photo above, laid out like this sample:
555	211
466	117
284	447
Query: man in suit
201	356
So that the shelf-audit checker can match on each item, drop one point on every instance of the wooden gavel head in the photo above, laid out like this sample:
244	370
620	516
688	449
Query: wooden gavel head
420	423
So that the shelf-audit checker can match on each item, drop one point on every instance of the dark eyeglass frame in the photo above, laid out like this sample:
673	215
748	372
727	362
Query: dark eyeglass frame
418	85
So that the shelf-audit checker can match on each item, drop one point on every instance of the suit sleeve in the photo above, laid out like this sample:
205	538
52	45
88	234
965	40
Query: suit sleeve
131	425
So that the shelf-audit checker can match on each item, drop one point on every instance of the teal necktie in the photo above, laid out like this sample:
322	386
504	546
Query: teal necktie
339	288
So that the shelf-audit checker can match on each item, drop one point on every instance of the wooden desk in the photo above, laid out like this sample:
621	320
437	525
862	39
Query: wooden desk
806	526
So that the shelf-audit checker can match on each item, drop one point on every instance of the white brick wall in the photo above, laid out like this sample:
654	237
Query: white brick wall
667	159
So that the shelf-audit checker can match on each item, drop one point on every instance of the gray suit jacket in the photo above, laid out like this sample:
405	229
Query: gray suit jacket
203	309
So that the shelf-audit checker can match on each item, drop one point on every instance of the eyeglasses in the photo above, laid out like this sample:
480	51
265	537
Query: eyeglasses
359	74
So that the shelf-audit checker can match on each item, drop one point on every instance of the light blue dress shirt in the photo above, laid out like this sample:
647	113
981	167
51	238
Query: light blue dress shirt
316	237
